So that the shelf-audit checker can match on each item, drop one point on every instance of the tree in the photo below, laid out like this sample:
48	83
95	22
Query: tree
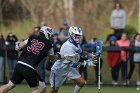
69	13
2	5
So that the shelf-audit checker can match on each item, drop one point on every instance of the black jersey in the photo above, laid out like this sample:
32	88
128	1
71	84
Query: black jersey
35	50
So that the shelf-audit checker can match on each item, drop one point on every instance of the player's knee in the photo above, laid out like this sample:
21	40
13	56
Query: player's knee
42	87
82	83
43	90
5	88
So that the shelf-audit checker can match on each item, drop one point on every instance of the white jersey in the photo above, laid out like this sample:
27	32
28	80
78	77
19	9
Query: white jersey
63	68
70	52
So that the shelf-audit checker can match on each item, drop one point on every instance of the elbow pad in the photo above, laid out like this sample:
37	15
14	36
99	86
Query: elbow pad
72	58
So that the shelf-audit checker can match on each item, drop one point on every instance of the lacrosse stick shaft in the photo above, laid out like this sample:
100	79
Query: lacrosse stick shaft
99	74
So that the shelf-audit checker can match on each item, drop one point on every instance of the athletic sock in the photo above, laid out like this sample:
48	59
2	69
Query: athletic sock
77	89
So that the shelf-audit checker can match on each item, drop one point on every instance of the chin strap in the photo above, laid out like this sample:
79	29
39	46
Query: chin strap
71	40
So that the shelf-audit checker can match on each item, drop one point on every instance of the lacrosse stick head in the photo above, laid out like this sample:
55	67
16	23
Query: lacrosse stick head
99	42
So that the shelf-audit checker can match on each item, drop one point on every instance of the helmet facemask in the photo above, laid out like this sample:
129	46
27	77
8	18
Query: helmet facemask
76	37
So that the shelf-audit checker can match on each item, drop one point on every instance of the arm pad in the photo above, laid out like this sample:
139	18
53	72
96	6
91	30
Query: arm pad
72	58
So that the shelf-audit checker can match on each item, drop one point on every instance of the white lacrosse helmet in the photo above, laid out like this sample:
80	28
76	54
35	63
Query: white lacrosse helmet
75	33
47	31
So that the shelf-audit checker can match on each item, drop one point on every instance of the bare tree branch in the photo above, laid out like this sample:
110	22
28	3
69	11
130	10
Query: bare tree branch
132	9
2	4
29	5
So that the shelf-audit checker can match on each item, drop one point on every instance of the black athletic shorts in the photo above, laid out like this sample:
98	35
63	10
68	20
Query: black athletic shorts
22	72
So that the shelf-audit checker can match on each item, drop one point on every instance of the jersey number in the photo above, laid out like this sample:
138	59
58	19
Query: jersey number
35	47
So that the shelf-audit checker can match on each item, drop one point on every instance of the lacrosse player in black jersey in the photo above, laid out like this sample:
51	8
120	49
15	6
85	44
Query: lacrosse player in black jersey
34	49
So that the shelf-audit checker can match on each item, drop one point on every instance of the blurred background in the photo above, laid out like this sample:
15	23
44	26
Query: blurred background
93	16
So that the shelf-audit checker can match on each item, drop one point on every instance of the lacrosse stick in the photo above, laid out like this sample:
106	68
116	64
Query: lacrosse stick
99	42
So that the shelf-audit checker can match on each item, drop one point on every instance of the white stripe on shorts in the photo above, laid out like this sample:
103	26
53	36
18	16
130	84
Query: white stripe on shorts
20	62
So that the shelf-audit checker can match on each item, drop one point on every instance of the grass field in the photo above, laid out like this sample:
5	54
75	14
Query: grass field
86	89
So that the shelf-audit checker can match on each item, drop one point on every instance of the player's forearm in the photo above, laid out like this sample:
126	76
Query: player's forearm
20	45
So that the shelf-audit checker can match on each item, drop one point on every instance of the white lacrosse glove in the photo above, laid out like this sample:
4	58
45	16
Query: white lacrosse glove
17	46
88	63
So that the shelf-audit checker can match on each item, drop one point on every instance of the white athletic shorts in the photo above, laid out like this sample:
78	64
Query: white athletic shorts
59	73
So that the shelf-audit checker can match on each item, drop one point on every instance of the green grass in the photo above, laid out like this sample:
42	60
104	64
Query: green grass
86	89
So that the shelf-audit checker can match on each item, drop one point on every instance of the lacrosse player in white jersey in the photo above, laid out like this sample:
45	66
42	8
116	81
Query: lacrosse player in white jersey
65	67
